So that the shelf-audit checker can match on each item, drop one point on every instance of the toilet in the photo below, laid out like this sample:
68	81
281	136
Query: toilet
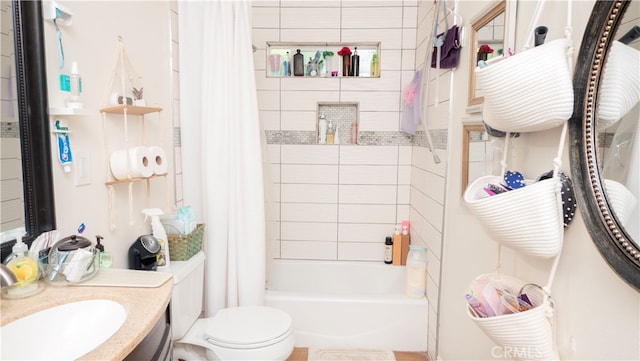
235	333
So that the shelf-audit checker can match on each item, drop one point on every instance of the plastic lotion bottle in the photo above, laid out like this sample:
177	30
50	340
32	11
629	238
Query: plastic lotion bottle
298	63
74	100
354	133
322	129
397	247
416	271
163	258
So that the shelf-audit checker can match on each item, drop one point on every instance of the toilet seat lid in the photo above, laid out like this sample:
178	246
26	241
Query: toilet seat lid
248	327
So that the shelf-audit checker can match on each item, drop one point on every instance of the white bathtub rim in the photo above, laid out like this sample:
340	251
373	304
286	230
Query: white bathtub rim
323	297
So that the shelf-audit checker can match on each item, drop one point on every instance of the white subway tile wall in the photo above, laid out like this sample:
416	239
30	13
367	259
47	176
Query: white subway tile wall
339	202
330	195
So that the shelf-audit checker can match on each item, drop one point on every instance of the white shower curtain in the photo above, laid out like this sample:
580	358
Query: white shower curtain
221	148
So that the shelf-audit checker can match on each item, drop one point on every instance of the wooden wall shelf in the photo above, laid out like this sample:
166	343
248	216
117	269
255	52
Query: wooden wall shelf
134	179
129	109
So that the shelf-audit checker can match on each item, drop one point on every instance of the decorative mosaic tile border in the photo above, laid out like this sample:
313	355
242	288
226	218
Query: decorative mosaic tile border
9	130
385	138
289	137
439	137
344	115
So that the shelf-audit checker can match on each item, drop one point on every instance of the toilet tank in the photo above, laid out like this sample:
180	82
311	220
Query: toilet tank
186	299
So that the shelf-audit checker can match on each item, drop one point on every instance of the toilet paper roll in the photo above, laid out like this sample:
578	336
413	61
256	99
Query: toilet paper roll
140	165
158	159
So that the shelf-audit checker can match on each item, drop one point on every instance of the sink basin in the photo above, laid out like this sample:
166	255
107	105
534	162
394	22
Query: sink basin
64	332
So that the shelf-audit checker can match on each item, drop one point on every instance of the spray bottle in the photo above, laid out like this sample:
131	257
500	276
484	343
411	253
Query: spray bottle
163	258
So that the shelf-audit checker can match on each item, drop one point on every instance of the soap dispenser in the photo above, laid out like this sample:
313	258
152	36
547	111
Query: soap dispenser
25	268
103	256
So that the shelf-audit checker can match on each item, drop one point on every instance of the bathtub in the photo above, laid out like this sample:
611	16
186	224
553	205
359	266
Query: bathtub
348	304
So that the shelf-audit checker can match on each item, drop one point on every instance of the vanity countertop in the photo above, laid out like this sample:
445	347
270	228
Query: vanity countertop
144	306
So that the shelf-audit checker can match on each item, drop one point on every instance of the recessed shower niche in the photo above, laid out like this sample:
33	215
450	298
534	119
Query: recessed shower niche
337	123
337	60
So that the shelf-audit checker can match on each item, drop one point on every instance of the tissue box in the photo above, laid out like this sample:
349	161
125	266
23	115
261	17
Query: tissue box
172	225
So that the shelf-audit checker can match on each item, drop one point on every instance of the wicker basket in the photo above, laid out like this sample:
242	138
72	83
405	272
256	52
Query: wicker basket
184	246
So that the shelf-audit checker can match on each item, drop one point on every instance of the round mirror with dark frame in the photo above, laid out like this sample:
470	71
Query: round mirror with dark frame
604	134
32	101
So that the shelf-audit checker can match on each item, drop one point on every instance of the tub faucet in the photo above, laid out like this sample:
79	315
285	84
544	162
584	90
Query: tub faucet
8	278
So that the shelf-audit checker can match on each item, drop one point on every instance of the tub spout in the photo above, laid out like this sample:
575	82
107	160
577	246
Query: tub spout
8	278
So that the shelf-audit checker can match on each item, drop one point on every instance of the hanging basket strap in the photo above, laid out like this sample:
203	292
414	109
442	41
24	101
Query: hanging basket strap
552	272
503	162
557	161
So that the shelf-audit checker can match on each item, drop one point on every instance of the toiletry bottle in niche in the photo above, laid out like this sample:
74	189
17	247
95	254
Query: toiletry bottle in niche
355	63
298	64
331	131
354	133
322	129
336	136
375	66
388	250
406	241
397	245
346	64
286	65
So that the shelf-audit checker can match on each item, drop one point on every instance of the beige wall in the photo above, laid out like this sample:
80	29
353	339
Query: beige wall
595	309
91	40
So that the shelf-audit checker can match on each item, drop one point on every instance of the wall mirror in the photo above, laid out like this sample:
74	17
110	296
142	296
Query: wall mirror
32	114
492	34
604	130
12	201
477	153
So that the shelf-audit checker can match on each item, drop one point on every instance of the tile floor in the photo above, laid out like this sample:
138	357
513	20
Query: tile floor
300	354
